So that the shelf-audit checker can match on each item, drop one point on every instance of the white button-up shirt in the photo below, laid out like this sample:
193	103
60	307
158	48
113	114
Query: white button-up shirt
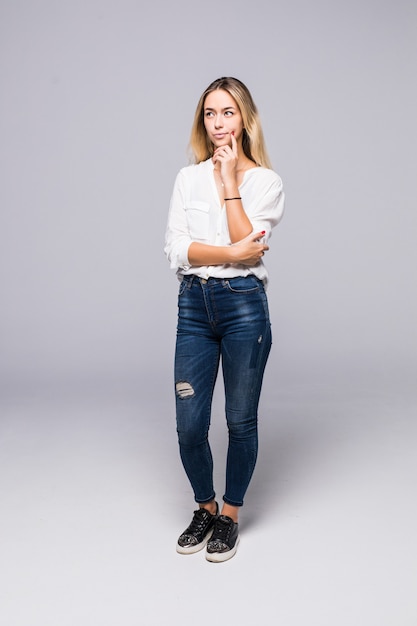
196	214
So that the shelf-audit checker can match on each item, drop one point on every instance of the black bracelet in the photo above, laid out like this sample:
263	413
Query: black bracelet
237	198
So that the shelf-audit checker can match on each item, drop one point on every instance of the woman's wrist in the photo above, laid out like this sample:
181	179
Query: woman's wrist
232	254
230	188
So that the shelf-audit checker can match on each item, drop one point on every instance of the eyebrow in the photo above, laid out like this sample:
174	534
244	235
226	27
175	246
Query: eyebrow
225	109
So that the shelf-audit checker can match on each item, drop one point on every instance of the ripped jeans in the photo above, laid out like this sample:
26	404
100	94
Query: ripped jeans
223	319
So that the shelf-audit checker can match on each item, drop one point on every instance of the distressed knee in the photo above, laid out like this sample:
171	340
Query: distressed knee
184	389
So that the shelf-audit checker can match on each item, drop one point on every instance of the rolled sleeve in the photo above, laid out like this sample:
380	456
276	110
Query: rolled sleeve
177	236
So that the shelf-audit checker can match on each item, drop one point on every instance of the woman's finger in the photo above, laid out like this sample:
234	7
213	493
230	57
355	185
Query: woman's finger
223	151
234	143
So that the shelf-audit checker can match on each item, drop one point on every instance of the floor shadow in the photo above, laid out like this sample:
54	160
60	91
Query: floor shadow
295	436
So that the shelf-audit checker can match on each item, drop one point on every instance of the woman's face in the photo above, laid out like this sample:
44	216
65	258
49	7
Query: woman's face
222	117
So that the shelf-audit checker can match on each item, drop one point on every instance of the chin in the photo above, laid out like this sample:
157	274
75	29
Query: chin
219	144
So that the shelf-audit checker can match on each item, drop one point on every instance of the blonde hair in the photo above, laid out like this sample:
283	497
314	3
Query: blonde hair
253	142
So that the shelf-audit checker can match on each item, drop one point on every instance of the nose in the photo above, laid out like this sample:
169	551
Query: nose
218	122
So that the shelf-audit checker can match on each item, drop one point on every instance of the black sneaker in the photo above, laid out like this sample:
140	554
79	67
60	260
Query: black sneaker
224	540
195	537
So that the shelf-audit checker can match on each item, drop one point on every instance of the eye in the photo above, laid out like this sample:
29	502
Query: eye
209	113
228	113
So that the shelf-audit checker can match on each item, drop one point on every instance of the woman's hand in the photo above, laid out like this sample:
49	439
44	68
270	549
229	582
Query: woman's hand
249	250
227	157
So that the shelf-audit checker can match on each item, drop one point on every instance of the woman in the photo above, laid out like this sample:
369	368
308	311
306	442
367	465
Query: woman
222	211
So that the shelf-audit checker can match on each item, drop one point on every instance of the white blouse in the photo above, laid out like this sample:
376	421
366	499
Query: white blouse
196	214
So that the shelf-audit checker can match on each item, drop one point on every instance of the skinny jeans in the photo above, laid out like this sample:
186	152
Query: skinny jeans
227	320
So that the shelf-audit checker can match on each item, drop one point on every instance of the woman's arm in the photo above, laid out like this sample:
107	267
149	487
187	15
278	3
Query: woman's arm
249	251
238	222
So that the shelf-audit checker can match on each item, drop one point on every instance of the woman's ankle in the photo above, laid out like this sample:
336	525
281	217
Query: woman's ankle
230	511
211	507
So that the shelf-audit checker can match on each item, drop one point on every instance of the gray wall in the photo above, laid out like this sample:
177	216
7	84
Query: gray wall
96	106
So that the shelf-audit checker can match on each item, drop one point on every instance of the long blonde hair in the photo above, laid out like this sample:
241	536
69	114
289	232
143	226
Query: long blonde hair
253	142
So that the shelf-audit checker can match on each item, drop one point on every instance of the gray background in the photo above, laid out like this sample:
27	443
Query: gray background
97	100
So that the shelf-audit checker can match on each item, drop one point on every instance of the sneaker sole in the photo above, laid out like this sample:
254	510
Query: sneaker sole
220	557
196	548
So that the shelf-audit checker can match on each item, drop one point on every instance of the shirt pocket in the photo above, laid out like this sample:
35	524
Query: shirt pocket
197	213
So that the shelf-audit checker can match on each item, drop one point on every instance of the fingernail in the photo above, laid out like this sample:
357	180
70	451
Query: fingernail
263	232
233	133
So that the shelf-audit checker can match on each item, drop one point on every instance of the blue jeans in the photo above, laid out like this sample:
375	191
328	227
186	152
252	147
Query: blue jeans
227	319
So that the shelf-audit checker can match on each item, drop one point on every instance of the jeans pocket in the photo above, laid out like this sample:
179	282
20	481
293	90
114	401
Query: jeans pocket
244	285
